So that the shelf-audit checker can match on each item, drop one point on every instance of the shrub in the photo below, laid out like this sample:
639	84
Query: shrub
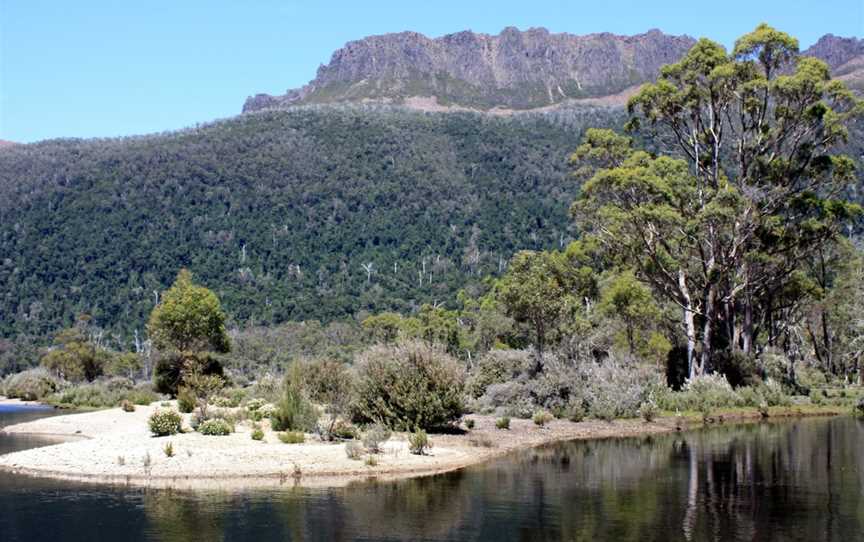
168	449
763	409
469	423
30	385
374	437
164	422
292	437
253	405
168	372
858	410
186	400
772	392
511	398
615	389
267	388
503	423
648	411
343	431
294	411
371	461
409	385
143	394
576	411
541	418
215	427
257	433
418	442
354	450
127	406
497	367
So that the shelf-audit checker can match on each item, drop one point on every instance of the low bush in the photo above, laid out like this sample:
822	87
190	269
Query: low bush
292	437
186	400
215	427
503	423
374	437
30	385
497	367
648	410
409	385
418	442
354	450
469	423
164	422
343	431
541	418
294	411
615	388
127	406
168	449
142	394
371	461
576	411
257	432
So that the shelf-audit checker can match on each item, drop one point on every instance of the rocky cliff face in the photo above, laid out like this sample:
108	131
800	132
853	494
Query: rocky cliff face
844	55
515	69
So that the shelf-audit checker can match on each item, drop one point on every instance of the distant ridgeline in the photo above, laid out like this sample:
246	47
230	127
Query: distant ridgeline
298	210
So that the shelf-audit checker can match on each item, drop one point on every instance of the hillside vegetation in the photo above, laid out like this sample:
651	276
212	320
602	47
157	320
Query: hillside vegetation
310	213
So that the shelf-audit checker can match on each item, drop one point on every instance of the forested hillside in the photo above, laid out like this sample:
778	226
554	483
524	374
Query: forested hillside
309	213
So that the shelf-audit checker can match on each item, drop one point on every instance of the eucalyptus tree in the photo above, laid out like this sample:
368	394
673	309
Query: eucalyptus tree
751	186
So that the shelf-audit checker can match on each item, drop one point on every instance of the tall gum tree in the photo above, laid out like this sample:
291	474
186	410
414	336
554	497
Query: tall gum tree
750	186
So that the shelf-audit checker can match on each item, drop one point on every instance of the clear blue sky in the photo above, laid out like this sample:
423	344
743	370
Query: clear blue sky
102	68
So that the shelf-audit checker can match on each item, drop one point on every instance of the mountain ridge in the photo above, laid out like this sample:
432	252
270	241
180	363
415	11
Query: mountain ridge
512	70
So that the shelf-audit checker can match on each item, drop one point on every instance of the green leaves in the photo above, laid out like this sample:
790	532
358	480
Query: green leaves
188	318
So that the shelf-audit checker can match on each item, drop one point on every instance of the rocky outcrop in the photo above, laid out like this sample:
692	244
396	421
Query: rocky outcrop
515	69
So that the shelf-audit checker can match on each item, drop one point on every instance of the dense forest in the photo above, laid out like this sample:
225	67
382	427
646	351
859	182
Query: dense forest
312	213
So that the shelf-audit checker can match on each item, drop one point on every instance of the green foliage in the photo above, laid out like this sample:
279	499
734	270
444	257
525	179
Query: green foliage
735	214
101	394
503	423
410	385
541	418
294	411
30	385
188	318
576	411
257	432
164	422
648	410
74	357
325	190
170	368
469	424
127	406
374	436
292	437
168	449
216	427
418	442
186	400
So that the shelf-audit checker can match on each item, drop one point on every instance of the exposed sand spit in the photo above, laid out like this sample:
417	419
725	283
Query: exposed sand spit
112	446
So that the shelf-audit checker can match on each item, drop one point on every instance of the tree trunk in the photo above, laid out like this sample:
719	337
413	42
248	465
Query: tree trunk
707	329
689	324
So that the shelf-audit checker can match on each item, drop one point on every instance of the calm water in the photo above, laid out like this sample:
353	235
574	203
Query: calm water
786	481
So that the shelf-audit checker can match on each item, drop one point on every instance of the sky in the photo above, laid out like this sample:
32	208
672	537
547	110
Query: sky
100	68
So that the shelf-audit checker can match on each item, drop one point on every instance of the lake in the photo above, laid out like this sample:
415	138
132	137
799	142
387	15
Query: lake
801	480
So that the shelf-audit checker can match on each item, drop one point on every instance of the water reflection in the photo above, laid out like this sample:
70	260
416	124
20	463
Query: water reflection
791	481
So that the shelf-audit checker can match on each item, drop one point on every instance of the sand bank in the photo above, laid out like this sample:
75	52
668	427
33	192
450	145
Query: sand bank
115	447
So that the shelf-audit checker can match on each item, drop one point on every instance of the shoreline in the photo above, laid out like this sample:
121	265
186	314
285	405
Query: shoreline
111	447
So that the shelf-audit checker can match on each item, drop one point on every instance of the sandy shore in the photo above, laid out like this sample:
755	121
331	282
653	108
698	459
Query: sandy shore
115	447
